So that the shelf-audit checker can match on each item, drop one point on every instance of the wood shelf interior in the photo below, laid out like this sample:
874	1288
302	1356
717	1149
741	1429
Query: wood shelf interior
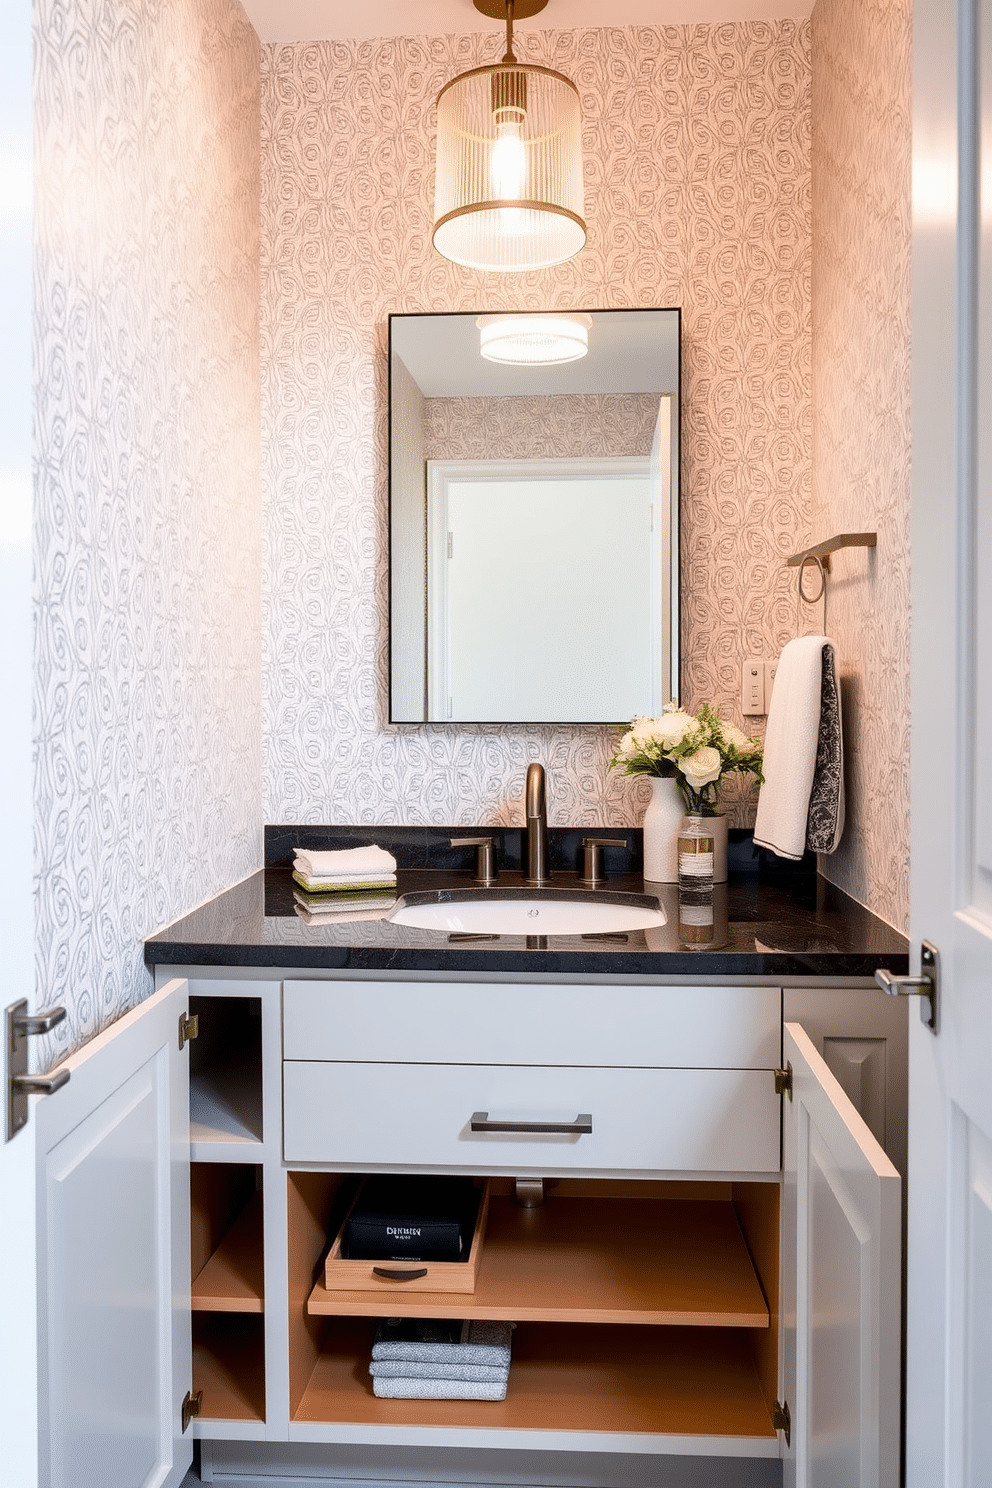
757	1208
226	1238
229	1365
316	1204
647	1260
567	1377
609	1256
225	1079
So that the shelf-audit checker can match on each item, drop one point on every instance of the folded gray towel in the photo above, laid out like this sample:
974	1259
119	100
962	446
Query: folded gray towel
437	1389
479	1374
488	1343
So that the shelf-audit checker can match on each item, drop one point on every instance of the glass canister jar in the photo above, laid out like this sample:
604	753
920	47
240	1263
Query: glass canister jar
695	856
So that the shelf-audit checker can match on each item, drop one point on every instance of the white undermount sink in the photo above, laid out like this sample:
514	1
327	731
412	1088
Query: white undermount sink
563	912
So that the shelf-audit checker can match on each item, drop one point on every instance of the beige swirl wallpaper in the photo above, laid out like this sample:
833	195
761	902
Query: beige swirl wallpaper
861	411
221	232
697	189
570	426
147	523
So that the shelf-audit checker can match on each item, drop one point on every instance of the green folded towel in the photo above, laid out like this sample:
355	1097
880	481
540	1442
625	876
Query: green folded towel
342	885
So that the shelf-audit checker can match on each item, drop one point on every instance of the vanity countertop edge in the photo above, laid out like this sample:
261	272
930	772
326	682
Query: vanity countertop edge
795	926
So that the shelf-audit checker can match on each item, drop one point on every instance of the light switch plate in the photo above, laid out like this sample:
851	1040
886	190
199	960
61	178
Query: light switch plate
753	686
771	667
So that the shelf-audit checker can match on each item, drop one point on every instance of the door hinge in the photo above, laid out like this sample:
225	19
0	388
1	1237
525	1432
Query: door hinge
783	1081
782	1420
189	1028
192	1405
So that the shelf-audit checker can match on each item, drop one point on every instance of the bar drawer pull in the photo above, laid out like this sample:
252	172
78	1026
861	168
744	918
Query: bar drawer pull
391	1275
580	1127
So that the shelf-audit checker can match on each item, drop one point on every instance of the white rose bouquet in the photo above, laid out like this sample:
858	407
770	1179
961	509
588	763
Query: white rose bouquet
697	750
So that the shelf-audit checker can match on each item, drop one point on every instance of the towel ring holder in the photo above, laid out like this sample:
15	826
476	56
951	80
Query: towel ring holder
815	559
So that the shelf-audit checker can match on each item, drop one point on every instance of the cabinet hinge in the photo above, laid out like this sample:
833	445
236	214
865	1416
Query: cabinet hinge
783	1081
782	1420
192	1405
189	1028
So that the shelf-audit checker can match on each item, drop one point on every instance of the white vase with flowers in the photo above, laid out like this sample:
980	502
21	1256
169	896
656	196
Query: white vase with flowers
694	752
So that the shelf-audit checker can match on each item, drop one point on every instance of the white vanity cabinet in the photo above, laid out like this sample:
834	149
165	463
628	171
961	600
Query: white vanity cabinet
677	1290
672	1084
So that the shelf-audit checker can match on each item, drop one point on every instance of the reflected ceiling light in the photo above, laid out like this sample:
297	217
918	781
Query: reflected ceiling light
508	186
533	340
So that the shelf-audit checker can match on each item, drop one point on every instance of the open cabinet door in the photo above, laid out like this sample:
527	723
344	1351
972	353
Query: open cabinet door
113	1257
841	1293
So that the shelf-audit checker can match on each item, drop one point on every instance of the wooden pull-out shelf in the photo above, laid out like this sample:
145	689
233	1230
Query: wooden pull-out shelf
232	1279
678	1381
635	1261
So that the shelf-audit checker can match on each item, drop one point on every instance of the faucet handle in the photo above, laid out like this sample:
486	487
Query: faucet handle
592	857
485	857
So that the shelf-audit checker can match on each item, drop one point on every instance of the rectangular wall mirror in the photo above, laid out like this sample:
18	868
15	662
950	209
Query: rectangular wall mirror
533	521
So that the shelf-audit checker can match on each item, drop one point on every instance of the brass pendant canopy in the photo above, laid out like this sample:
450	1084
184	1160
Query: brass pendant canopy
508	185
522	9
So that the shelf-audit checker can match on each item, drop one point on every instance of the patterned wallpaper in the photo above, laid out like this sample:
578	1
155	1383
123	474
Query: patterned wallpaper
148	529
696	143
570	426
861	401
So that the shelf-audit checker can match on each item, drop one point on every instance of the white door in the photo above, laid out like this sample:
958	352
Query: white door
114	1340
541	579
949	1365
841	1294
18	1379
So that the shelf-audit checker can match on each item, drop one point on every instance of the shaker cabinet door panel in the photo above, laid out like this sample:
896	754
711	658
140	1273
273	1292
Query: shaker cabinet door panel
841	1220
113	1257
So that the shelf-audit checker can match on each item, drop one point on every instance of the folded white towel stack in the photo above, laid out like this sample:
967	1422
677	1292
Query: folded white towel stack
801	803
350	869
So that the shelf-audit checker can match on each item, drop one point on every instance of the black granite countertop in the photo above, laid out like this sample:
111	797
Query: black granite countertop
766	922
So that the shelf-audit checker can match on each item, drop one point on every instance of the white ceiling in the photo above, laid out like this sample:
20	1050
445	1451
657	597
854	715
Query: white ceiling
631	351
321	20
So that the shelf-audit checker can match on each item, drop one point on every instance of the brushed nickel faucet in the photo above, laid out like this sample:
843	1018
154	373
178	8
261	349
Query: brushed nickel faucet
536	870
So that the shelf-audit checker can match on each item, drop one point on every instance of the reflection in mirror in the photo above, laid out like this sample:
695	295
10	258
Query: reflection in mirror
533	525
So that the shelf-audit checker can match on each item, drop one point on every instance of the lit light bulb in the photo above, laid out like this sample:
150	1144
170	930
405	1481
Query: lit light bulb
508	162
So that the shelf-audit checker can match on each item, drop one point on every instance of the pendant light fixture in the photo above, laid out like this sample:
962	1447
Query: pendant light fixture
534	340
508	188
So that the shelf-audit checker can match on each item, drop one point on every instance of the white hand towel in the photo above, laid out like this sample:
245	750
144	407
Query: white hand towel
791	740
348	863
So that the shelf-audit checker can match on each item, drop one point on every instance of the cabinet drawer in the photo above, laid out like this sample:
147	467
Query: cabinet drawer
533	1023
408	1115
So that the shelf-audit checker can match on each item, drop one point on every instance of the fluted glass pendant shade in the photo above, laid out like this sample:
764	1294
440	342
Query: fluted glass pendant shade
534	340
508	189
